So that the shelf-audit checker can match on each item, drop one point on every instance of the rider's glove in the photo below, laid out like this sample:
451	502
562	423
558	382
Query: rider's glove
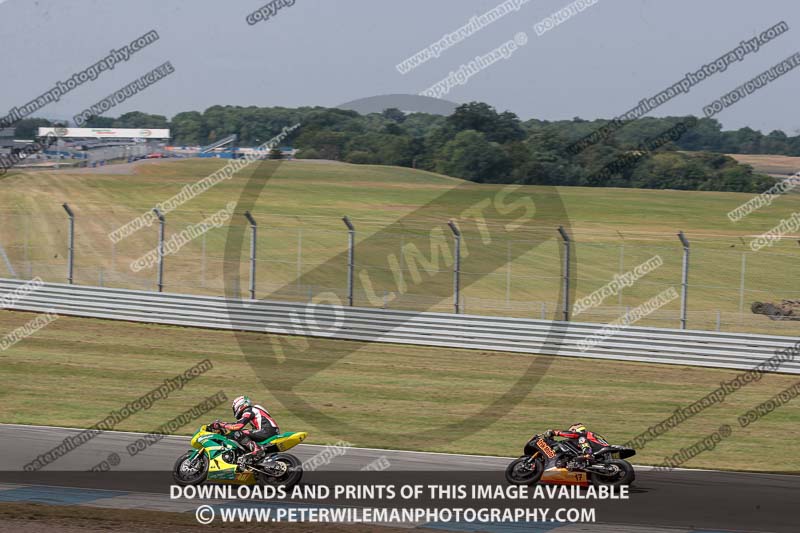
549	433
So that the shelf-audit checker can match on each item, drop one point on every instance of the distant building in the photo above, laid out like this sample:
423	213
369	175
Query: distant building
7	138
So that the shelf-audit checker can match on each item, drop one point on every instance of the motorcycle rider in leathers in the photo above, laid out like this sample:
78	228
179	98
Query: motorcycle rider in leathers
246	412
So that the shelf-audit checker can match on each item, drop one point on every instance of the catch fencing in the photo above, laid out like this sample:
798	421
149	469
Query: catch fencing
295	258
652	345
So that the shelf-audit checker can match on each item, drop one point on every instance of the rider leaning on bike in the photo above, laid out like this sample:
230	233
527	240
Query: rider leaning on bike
587	440
246	412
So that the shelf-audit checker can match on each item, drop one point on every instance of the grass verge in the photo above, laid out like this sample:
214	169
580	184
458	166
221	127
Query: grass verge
76	370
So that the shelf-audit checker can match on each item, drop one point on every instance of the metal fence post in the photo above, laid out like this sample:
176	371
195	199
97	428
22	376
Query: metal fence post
299	256
70	242
684	277
113	255
508	274
27	239
161	224
351	237
741	282
621	268
253	230
566	266
203	262
456	267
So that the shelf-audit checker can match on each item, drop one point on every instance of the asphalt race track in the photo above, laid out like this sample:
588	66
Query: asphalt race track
680	500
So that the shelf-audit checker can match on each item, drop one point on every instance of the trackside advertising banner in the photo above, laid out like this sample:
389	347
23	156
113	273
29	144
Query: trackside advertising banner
110	133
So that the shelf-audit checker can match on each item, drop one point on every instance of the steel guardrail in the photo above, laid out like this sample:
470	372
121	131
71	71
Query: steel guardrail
520	335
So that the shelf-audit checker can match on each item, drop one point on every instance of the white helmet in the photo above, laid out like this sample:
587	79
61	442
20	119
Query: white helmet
239	405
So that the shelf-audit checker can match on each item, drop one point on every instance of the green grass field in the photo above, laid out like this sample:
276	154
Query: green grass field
76	370
302	240
360	396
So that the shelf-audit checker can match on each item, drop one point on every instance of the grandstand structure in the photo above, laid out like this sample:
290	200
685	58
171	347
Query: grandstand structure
226	148
97	146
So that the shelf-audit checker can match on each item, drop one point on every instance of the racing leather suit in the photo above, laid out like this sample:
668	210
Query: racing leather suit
264	427
588	441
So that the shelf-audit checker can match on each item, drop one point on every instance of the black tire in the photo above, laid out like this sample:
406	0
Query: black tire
196	475
518	473
292	476
625	475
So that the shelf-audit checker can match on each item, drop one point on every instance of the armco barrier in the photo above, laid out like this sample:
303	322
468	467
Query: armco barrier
652	345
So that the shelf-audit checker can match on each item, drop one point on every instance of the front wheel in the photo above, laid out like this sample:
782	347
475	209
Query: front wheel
623	474
190	472
524	471
283	469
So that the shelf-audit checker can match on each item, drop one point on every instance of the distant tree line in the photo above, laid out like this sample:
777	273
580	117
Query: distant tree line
480	144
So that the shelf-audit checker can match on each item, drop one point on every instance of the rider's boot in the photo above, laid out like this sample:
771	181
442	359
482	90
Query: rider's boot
255	453
580	462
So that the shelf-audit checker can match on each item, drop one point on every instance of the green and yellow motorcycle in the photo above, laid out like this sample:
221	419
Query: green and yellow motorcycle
215	457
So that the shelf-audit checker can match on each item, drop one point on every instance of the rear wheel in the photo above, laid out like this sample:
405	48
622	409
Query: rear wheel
623	474
190	472
524	471
283	469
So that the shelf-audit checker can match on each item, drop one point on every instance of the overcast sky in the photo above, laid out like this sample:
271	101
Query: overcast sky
599	63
